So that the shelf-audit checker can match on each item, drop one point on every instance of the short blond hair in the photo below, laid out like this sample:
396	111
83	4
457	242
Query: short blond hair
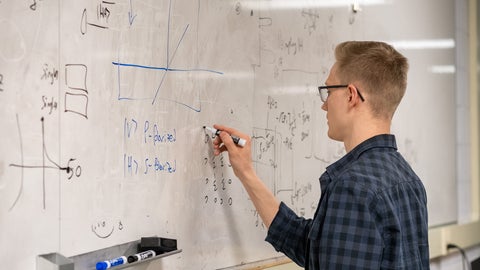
381	69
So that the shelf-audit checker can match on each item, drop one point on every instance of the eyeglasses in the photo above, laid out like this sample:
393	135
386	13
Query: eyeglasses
324	92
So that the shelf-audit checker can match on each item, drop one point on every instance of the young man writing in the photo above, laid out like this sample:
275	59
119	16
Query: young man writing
372	213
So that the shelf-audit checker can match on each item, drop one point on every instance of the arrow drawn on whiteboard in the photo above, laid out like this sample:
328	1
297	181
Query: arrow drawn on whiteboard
131	16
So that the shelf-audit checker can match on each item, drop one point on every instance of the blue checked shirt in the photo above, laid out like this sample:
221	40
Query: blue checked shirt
372	214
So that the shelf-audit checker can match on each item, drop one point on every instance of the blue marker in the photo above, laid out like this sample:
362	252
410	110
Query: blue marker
111	263
236	140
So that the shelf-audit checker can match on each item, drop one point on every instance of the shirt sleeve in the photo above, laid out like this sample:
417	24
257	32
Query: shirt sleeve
288	234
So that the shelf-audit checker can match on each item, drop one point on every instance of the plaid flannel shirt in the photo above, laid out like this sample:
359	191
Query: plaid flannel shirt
372	214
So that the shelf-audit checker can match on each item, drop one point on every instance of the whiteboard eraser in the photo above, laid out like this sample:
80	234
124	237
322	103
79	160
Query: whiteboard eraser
158	244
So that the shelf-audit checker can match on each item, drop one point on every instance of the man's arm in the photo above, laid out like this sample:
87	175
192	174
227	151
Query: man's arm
241	160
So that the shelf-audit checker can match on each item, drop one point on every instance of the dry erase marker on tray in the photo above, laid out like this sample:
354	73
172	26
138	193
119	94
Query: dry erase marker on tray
111	263
141	256
236	140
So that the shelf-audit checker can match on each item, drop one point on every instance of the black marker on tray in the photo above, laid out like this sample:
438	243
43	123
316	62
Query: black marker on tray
141	256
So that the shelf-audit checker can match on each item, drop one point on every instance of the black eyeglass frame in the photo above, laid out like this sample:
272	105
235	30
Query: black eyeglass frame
326	87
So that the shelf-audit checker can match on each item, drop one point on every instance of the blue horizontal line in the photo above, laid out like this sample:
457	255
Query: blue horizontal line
166	69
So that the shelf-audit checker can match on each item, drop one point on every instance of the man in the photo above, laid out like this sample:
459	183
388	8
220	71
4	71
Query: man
372	212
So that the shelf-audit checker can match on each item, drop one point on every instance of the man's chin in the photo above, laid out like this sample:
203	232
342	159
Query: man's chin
332	136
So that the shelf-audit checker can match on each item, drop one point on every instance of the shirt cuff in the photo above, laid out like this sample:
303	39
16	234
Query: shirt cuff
278	229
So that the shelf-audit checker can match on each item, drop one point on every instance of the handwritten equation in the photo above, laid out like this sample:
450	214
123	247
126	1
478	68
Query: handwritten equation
217	185
282	147
103	13
147	135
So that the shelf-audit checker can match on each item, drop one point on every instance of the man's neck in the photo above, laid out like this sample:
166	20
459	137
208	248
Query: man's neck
365	131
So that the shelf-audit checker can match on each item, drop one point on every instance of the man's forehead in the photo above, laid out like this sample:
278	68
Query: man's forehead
332	76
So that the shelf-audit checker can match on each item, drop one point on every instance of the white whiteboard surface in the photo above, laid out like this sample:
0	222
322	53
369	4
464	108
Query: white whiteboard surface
103	104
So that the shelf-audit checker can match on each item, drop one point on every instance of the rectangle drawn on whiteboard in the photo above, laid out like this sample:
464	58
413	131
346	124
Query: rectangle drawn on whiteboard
76	77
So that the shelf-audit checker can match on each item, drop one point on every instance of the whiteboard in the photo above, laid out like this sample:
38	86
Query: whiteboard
104	103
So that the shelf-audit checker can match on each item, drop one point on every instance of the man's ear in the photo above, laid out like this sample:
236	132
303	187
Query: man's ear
353	94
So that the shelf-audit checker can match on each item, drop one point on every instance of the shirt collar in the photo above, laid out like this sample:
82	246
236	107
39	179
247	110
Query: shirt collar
378	141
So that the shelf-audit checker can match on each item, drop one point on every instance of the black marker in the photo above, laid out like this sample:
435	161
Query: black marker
141	256
239	141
